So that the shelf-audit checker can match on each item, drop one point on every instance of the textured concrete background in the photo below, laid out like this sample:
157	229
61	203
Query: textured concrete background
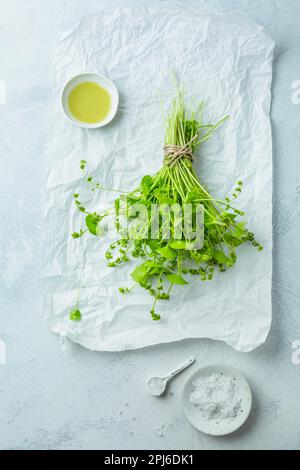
61	396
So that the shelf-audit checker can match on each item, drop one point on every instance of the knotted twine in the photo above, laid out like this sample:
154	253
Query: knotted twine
173	153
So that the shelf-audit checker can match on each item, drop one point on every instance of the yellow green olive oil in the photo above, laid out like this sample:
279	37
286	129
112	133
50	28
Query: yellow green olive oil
88	102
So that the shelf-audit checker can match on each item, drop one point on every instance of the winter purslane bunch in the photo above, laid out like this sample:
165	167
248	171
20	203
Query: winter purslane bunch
166	260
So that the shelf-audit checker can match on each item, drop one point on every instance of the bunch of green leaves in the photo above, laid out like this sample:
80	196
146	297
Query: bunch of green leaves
163	263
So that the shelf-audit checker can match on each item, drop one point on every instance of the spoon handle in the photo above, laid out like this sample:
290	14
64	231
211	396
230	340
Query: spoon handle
182	367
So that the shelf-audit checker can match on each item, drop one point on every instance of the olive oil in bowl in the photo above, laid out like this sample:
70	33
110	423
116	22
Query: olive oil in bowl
89	102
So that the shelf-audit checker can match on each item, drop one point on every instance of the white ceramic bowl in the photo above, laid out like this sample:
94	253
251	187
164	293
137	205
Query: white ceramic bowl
96	78
211	426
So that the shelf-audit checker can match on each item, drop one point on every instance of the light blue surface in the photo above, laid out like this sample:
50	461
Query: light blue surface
79	399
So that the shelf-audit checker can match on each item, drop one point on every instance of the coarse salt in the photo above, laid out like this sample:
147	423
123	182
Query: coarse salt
216	397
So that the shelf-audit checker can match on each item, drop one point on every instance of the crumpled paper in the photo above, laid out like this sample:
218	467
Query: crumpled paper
226	61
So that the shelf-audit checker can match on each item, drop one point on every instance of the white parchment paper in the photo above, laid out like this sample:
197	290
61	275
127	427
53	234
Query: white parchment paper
227	61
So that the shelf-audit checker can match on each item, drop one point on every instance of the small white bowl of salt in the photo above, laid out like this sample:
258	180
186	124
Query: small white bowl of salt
217	400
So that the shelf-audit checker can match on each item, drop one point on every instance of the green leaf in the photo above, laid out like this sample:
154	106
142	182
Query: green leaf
158	194
155	316
176	279
146	184
220	257
92	222
167	252
228	216
178	245
166	200
152	264
78	234
231	240
239	229
214	221
139	273
75	315
153	244
132	198
206	257
231	216
145	202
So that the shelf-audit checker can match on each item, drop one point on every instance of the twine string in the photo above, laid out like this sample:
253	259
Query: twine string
173	153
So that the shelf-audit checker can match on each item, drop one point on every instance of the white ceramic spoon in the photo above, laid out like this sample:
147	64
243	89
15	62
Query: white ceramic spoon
157	385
